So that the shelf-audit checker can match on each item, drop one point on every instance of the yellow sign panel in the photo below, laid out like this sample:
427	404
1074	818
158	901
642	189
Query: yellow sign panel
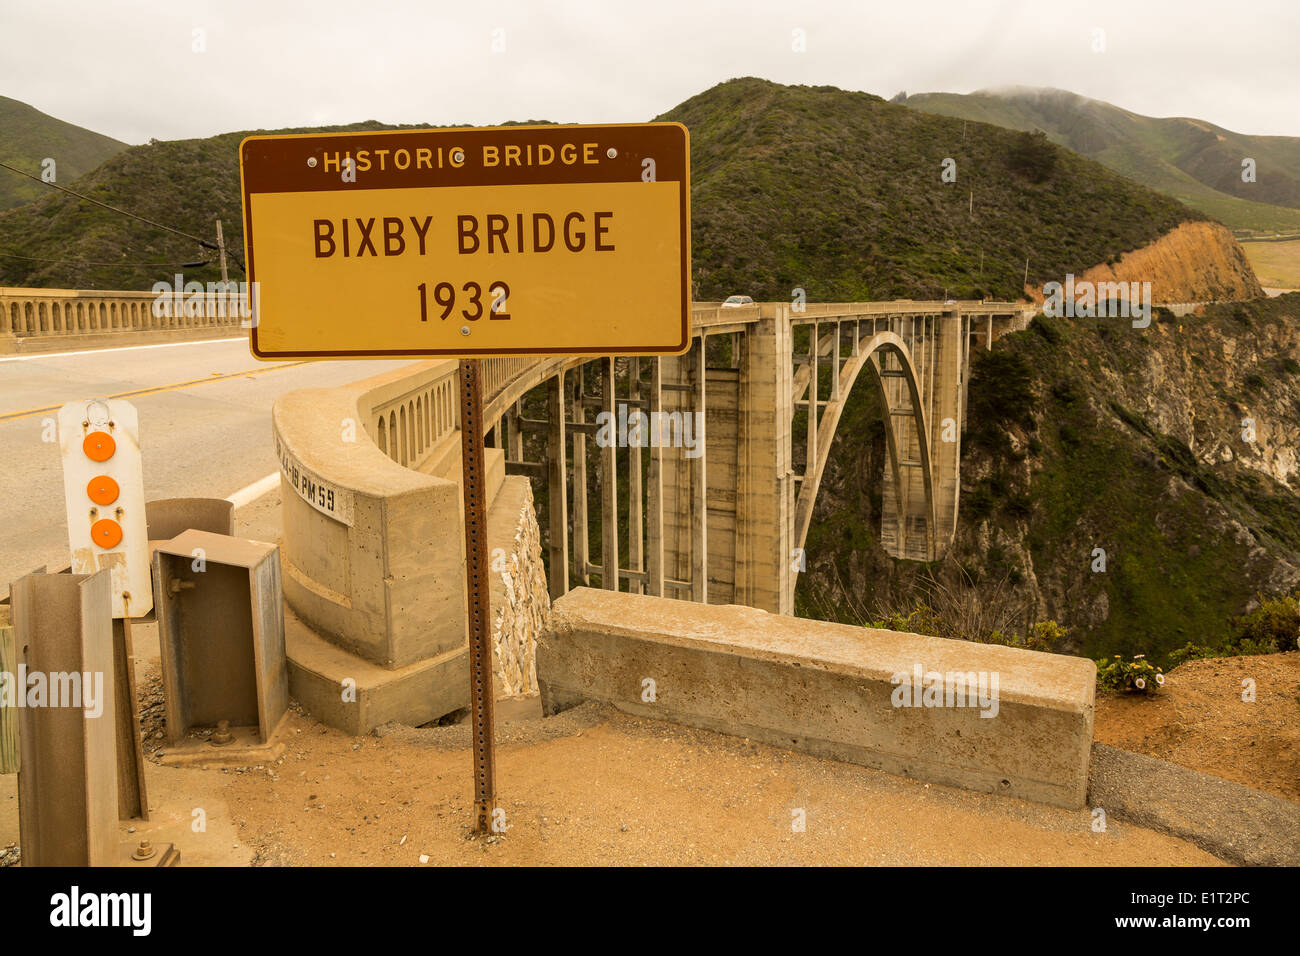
470	242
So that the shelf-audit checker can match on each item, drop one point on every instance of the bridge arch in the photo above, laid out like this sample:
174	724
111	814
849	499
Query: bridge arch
870	356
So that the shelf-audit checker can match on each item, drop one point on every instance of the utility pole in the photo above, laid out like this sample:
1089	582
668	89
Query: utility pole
1026	282
971	211
221	250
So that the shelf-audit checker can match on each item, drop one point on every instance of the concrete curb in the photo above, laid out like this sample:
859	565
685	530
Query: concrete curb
1235	823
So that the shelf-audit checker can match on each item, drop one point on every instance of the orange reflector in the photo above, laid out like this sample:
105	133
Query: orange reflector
99	446
106	533
103	490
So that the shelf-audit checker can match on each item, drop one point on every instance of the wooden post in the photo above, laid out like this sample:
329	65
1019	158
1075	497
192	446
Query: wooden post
478	589
221	251
609	483
557	474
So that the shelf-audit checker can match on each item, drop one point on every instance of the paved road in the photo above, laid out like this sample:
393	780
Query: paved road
205	428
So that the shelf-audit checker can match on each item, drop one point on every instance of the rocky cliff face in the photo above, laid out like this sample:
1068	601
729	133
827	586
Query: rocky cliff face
1140	486
1194	262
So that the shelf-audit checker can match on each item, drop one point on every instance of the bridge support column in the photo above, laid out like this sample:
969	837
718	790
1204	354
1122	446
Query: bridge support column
765	496
581	559
655	489
948	413
699	482
609	482
635	557
556	476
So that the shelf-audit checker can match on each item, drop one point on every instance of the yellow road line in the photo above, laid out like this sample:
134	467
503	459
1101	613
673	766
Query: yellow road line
12	416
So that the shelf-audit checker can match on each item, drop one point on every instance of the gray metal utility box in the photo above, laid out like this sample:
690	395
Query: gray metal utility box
221	635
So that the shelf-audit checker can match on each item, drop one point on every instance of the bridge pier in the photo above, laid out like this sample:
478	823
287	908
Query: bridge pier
556	485
765	486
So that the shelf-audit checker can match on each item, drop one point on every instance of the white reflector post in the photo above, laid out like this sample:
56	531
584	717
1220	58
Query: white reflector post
103	484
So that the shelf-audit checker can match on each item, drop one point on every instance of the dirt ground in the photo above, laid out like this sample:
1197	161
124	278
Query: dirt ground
593	786
1199	720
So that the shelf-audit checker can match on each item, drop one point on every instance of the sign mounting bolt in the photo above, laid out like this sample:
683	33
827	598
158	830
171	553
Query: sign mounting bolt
311	161
464	330
222	735
611	152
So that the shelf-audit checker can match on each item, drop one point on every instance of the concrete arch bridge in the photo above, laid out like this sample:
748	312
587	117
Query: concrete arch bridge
717	506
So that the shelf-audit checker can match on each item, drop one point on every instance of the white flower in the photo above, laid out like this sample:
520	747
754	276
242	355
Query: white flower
1140	684
1160	679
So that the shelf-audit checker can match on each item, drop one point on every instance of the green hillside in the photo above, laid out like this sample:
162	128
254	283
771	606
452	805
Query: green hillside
833	192
187	184
840	194
1194	161
28	137
1087	434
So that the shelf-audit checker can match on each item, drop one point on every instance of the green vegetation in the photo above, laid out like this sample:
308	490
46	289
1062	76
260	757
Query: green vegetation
1272	627
816	188
840	194
1104	476
960	614
1138	674
187	184
1196	162
28	137
1082	435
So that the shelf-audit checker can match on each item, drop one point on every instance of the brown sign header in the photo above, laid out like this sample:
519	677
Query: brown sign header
501	156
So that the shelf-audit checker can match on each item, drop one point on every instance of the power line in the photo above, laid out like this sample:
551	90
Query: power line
202	242
91	262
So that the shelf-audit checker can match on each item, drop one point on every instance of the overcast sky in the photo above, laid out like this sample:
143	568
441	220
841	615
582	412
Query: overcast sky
130	68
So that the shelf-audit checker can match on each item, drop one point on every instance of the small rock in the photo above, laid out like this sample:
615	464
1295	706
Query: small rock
423	858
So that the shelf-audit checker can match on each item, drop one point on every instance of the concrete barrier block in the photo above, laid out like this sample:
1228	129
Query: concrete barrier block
356	696
988	718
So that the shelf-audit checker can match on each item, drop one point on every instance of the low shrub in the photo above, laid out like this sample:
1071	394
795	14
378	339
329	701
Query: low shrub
1137	675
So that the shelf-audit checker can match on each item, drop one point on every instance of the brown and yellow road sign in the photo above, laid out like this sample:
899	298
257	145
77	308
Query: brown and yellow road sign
515	240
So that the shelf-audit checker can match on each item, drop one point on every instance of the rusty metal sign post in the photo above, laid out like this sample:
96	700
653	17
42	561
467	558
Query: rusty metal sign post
478	590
